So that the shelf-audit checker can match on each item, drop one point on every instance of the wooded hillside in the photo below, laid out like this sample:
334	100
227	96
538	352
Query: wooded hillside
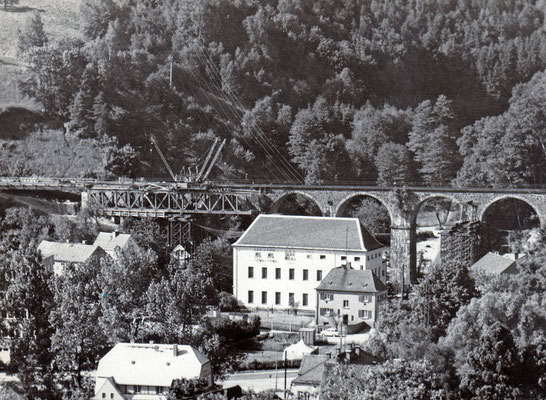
316	90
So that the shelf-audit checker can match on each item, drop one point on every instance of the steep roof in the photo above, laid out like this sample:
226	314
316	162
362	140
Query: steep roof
324	233
109	241
312	369
67	252
492	264
347	279
150	364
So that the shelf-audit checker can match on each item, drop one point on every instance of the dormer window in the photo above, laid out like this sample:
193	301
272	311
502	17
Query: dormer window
270	256
258	255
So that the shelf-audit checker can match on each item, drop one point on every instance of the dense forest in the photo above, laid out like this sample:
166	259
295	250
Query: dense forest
385	91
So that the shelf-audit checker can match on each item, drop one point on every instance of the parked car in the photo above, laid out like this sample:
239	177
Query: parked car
330	332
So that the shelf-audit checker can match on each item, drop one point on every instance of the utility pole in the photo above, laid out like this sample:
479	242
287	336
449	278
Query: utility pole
170	71
284	375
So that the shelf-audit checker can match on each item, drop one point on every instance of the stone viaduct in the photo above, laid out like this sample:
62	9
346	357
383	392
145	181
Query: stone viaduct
403	205
180	200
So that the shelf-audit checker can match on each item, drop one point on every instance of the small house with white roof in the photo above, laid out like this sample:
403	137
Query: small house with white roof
131	371
57	255
280	260
110	241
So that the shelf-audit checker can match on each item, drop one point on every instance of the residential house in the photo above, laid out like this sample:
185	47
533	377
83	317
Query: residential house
311	374
110	241
57	255
494	264
146	371
314	370
180	255
280	259
350	296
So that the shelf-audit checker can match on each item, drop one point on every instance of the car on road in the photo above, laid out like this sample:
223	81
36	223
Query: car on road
330	332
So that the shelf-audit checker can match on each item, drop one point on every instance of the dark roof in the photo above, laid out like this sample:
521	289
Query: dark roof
312	369
347	279
299	232
492	264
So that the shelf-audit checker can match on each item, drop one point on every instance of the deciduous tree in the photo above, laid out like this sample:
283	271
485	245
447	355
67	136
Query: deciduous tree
30	300
32	34
78	340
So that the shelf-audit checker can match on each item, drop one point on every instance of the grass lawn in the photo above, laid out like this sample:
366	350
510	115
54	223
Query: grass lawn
60	18
49	154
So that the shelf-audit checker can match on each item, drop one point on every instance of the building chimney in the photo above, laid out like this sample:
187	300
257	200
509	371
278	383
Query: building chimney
115	233
175	350
84	241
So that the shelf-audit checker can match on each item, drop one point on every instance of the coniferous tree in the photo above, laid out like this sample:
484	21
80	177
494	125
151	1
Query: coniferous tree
82	120
433	141
393	163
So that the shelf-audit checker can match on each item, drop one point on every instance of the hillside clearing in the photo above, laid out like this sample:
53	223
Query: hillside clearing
60	18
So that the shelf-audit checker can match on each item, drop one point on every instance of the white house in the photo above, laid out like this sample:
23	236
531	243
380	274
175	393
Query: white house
180	255
110	241
350	294
280	260
56	255
146	371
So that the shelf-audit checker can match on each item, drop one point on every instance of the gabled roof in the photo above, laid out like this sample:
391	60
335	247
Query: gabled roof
347	279
312	369
109	241
492	264
323	233
67	252
150	364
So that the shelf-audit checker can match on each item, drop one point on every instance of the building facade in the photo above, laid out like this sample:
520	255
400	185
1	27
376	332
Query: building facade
349	296
280	260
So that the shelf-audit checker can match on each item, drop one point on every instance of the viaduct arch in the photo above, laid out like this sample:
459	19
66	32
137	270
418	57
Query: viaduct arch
403	206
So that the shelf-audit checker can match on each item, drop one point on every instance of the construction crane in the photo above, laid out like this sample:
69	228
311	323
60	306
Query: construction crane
203	172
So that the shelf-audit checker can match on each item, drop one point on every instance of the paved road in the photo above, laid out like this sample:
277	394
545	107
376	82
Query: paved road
261	380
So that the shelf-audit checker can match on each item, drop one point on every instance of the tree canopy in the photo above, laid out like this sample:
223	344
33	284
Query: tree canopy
307	90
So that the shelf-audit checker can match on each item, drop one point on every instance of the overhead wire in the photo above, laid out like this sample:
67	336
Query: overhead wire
213	99
259	130
281	170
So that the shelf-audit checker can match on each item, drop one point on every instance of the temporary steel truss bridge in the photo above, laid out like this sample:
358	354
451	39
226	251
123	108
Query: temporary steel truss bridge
167	203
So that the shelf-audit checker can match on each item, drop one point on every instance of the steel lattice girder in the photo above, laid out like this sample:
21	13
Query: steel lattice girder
166	203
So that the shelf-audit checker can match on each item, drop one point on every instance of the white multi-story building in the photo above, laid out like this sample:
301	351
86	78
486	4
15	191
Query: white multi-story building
280	260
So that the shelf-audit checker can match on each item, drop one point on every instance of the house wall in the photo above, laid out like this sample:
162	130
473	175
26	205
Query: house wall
360	307
312	261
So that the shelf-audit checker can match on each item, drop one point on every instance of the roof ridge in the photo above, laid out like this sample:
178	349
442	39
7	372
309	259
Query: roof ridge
307	217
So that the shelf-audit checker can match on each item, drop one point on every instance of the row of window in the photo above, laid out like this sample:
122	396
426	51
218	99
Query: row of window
291	273
139	389
362	298
328	312
291	255
291	298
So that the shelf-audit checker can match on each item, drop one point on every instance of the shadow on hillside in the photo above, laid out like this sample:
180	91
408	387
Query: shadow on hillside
23	9
17	122
4	61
